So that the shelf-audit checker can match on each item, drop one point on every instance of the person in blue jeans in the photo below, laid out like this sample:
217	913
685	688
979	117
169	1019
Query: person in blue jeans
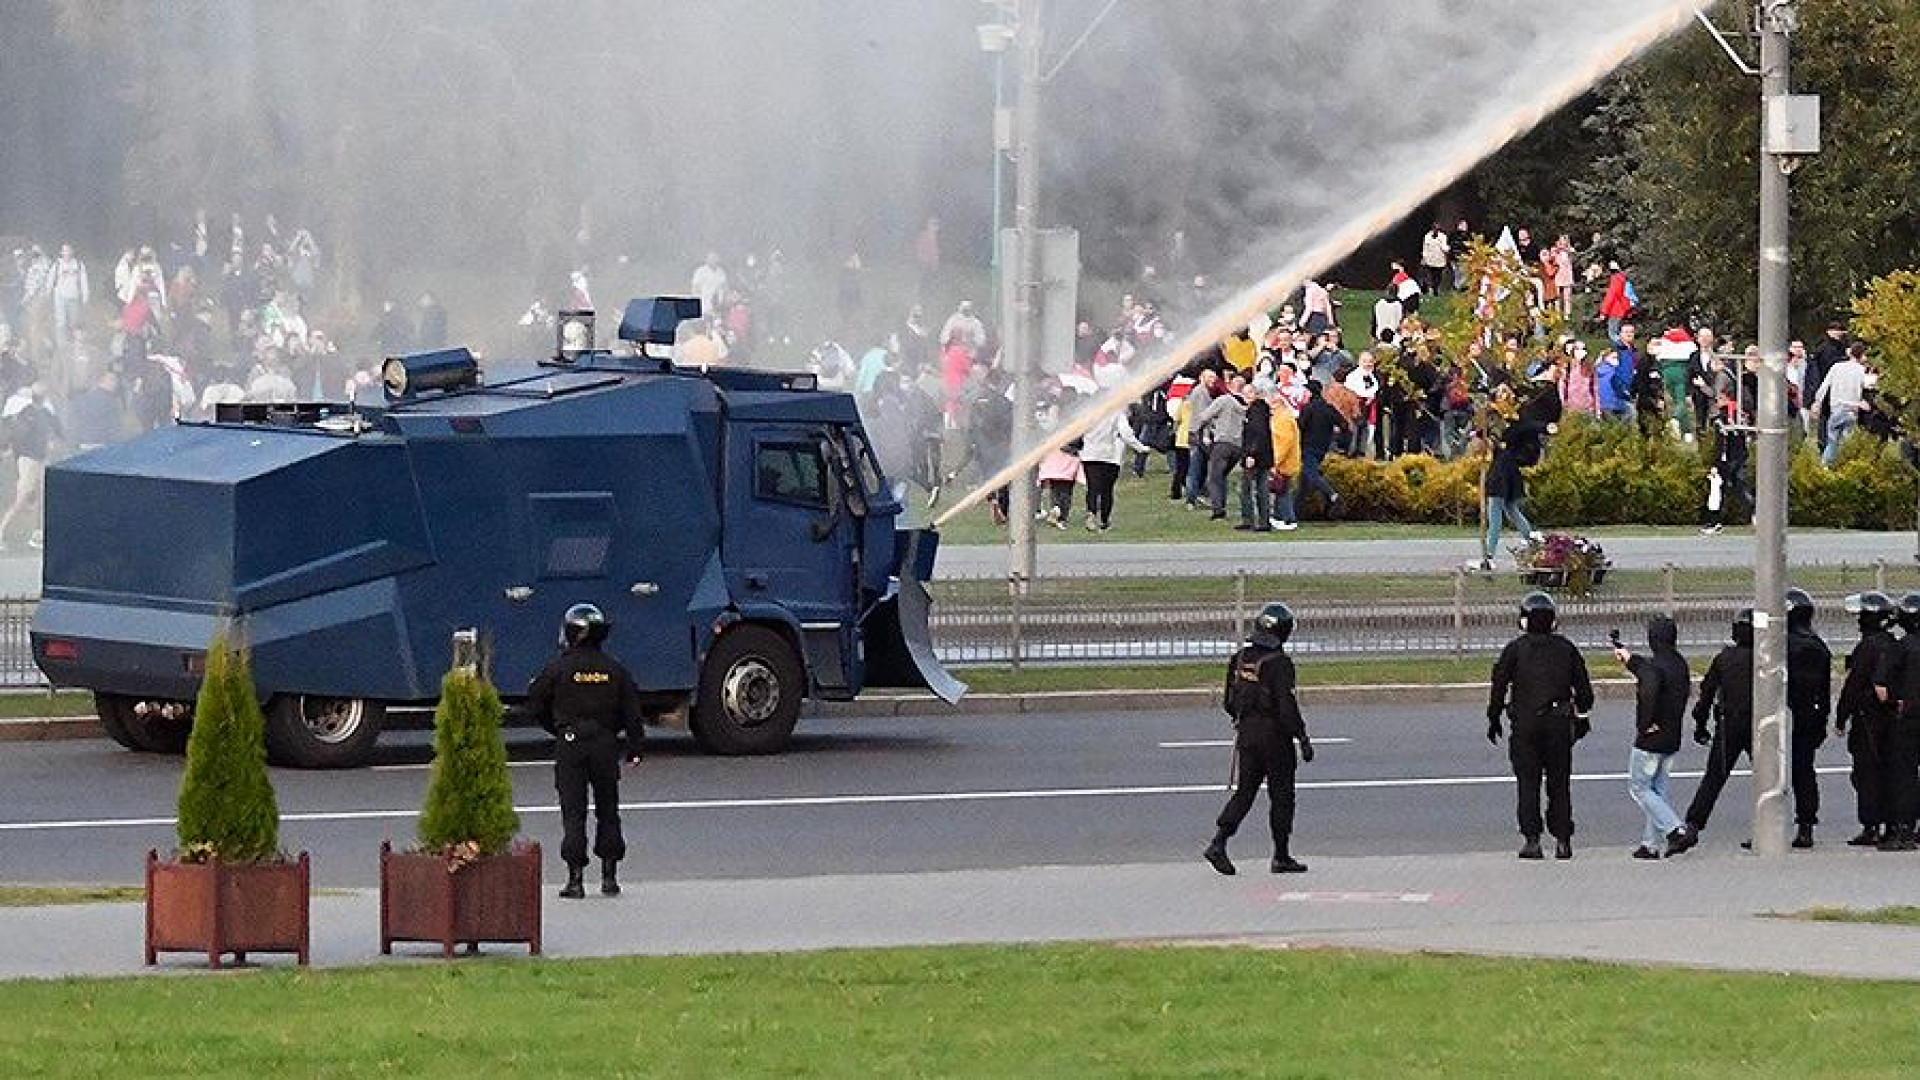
1663	683
1321	428
1506	485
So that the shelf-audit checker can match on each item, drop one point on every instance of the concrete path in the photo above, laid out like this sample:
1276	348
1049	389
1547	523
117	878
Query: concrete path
1703	910
1296	554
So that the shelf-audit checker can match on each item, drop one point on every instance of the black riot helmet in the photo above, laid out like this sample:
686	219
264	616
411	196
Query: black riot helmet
1272	626
1874	610
584	625
1799	610
1537	613
1743	628
1908	613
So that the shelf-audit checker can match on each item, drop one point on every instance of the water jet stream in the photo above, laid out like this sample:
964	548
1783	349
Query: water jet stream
1469	149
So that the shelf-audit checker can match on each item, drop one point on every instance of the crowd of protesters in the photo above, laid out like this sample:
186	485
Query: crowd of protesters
216	316
1248	425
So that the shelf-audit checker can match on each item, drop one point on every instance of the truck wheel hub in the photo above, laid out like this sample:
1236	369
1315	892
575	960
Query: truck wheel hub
332	720
751	692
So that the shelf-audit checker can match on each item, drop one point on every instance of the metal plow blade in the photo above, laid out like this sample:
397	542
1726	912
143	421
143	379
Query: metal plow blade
899	643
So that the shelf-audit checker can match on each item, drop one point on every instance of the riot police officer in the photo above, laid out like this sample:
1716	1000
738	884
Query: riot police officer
1726	692
1267	724
1897	683
1809	697
587	700
1540	682
1868	717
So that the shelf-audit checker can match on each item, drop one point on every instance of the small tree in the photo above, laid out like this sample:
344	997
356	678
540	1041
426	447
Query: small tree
469	809
227	808
1887	318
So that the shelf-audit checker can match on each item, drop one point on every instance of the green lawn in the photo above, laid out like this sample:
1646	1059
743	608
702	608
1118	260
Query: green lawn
50	895
1057	1011
1029	679
64	703
1906	915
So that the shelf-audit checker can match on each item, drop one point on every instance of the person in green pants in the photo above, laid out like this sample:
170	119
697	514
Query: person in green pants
1675	352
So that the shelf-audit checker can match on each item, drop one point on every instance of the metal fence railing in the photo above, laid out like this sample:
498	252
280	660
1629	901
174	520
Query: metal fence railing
1092	620
16	651
1095	619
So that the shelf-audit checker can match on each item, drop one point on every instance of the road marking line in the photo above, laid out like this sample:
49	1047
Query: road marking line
1362	897
1205	744
903	798
425	765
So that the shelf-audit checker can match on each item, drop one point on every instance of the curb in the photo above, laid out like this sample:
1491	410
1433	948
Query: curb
54	728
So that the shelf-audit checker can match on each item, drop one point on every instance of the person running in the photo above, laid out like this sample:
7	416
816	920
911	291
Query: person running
1662	685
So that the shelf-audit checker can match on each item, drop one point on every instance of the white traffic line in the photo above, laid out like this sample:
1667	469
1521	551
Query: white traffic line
423	766
1207	744
902	798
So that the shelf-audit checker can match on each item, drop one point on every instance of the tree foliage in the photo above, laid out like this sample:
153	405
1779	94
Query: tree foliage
1887	317
470	797
1674	184
227	808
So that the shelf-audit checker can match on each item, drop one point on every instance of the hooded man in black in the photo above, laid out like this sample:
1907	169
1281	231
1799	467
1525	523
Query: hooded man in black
1862	711
1663	684
1810	698
1267	723
1897	683
1728	683
1551	698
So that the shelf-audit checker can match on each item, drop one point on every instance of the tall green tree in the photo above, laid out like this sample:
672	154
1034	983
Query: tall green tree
227	808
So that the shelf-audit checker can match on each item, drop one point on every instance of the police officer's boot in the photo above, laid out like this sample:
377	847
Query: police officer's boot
1803	836
1563	849
609	884
1285	863
1531	849
1869	836
1216	854
575	888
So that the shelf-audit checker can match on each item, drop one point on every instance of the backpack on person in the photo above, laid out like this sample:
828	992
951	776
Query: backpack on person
1247	693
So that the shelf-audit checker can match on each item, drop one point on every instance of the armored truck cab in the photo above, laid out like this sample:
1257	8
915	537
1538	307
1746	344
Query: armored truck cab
734	526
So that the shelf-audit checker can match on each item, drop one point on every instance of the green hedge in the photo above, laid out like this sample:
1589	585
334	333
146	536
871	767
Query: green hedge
1603	473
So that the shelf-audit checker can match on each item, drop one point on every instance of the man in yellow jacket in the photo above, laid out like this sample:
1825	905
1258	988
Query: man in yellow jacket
1286	463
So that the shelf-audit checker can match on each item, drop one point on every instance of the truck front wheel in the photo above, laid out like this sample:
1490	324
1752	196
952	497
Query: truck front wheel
312	732
750	690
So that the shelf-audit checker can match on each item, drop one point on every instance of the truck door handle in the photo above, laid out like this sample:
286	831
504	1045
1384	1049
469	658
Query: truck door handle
645	588
756	581
520	593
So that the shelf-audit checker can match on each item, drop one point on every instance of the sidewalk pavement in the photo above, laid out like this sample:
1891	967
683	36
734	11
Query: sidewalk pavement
1708	909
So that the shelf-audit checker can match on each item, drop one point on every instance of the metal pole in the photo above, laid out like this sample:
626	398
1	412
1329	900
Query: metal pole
1023	338
1770	518
999	183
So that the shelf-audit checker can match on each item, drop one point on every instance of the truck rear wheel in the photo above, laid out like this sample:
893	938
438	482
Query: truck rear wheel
312	732
116	714
157	727
750	692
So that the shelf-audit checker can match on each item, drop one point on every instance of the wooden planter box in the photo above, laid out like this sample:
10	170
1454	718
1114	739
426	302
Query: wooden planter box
493	899
1555	577
220	908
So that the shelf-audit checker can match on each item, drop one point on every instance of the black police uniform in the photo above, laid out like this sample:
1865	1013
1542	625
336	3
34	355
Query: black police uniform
1729	684
1867	722
1541	682
1899	674
1809	697
1267	722
586	699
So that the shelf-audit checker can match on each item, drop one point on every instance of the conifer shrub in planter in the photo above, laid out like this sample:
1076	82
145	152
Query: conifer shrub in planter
468	881
229	889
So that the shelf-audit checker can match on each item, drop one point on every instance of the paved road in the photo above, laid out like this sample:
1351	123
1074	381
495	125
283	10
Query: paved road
1300	555
895	795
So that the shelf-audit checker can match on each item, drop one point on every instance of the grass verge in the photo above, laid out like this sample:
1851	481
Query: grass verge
980	1011
1900	915
52	895
64	703
1031	680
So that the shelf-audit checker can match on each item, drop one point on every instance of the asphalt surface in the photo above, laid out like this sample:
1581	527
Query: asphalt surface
897	795
1298	555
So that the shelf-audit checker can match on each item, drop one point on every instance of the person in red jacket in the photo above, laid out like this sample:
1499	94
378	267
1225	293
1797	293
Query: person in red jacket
1617	306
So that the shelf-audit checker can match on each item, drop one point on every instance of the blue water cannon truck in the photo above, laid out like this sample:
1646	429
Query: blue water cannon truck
734	526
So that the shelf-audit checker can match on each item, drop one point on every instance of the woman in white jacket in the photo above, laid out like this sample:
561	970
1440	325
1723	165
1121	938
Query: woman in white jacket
1102	448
